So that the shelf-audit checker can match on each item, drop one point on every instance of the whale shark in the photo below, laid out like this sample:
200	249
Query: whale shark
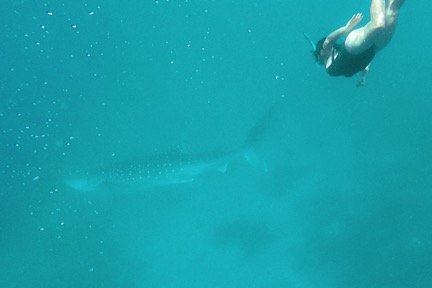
169	168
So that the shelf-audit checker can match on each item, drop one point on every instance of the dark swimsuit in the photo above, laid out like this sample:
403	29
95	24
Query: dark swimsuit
346	64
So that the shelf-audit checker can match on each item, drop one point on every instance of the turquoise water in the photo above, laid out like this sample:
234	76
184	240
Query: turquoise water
347	196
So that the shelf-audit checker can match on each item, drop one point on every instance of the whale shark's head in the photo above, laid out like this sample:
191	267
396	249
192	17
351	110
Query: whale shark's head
81	184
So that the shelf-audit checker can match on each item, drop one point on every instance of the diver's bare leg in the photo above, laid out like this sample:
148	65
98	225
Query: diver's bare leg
391	17
377	13
392	11
363	38
395	5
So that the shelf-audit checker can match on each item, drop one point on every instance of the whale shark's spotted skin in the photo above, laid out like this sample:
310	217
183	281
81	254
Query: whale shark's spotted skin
159	170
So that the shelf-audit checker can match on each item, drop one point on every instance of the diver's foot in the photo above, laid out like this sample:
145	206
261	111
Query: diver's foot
361	82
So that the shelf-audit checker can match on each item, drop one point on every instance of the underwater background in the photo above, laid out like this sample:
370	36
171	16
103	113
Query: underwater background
346	200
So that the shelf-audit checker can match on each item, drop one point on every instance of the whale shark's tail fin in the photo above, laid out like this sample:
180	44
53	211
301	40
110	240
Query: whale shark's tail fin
254	138
257	133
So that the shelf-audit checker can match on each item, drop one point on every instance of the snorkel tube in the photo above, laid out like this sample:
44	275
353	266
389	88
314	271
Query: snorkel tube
310	42
316	48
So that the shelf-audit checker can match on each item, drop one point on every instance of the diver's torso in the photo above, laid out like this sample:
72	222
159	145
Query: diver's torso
343	63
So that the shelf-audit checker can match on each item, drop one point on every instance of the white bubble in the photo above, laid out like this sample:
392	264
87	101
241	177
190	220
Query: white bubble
50	13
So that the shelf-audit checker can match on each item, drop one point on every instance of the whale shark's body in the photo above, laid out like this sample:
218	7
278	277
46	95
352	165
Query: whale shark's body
158	170
170	168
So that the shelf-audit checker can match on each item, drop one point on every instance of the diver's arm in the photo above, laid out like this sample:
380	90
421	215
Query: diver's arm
332	37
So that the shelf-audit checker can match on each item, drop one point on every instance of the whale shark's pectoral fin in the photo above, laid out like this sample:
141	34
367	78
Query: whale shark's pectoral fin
223	168
182	180
253	159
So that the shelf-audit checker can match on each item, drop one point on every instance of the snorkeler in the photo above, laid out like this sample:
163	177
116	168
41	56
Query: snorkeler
362	44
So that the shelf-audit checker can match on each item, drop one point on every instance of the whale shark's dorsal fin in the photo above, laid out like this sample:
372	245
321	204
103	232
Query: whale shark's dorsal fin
223	168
